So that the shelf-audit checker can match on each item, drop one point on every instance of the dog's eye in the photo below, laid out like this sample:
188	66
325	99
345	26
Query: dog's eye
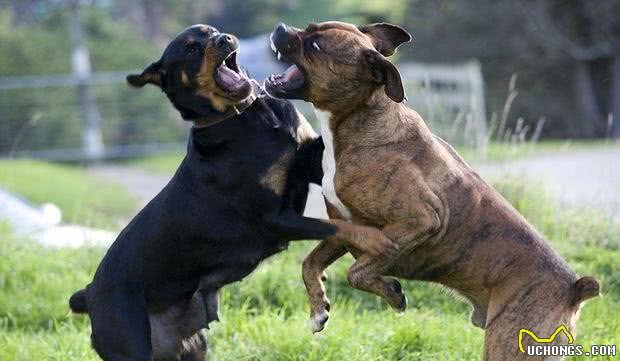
312	46
192	48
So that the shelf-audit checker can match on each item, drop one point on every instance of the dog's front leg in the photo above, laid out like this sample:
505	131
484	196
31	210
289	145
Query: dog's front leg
291	226
337	236
313	274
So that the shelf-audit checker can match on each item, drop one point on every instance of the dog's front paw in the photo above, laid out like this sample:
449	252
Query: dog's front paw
399	304
318	321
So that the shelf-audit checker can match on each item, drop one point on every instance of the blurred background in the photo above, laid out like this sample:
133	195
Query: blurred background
525	90
501	80
477	70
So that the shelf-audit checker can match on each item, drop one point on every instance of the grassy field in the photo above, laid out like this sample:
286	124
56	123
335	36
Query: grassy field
264	317
82	198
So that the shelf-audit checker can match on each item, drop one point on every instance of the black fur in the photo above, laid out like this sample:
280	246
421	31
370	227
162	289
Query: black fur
212	224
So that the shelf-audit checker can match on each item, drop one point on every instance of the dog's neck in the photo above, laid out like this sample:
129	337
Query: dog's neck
211	136
217	117
379	120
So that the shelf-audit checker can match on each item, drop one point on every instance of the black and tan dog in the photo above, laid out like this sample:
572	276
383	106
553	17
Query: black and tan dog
384	168
236	199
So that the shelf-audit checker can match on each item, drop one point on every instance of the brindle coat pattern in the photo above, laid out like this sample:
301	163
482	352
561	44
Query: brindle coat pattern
394	174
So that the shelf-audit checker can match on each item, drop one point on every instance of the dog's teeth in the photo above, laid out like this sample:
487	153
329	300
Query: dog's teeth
279	56
273	47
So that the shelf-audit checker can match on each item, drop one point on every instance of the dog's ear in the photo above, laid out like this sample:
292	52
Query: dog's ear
152	74
384	72
585	288
386	37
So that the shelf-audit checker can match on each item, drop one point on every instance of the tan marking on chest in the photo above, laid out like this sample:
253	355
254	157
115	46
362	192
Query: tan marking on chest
276	176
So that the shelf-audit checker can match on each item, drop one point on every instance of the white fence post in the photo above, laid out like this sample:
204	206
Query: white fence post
446	95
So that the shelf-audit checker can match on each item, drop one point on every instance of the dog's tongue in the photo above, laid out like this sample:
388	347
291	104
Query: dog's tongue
227	77
292	73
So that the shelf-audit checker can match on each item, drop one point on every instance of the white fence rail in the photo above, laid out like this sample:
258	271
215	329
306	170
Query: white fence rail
450	98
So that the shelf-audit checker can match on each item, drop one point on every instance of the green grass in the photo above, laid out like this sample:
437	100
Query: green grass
505	151
83	199
264	317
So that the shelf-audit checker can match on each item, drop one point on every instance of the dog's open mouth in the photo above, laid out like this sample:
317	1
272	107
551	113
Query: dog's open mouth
230	78
292	79
287	84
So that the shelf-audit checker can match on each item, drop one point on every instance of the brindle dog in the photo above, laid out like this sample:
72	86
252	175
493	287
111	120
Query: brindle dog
389	171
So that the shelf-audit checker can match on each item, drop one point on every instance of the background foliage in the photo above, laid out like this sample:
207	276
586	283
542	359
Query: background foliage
565	52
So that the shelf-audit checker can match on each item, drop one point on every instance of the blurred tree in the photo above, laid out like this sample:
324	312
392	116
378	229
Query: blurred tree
561	50
565	52
587	33
41	47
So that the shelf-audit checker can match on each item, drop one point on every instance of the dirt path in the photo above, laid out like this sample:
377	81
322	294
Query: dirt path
141	184
587	177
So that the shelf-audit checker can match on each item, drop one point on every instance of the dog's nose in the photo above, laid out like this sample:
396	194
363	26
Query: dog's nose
280	30
224	40
281	27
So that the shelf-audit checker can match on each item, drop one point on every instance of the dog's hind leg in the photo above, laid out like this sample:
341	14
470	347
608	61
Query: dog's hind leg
120	325
313	275
366	275
211	304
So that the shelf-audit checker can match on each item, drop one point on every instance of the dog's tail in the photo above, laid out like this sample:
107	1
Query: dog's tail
78	303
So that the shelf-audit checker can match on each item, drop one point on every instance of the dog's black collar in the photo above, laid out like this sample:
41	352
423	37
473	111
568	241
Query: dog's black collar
257	92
